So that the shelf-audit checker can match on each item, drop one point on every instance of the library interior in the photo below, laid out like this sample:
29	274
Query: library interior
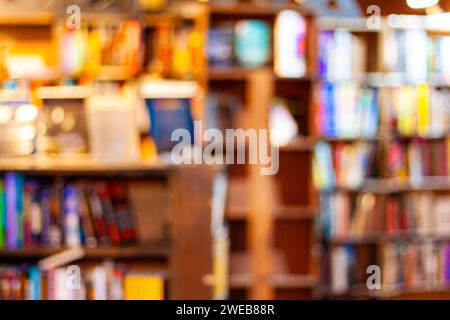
244	150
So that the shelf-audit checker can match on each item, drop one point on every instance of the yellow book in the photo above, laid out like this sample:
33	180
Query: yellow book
405	104
143	287
151	288
423	110
131	288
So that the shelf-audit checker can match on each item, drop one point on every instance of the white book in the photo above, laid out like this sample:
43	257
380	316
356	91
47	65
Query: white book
99	283
339	270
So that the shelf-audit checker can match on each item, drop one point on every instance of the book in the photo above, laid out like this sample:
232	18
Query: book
166	116
143	287
2	214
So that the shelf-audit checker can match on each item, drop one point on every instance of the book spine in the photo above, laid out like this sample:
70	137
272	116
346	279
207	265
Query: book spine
71	217
2	214
12	221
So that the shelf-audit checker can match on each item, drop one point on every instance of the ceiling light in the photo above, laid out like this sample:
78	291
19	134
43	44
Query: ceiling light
420	4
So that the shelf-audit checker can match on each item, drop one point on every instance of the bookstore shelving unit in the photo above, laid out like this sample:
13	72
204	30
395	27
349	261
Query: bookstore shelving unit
377	221
271	220
172	205
167	206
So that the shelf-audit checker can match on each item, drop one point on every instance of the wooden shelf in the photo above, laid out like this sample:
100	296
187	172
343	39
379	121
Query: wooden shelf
27	18
350	139
241	74
360	290
250	9
242	278
132	252
80	165
294	213
390	186
300	144
380	237
294	281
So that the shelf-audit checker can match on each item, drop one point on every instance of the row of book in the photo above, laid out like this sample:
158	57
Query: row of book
346	217
350	164
412	52
404	266
347	110
248	43
106	281
342	55
36	212
418	159
418	55
416	266
344	165
419	111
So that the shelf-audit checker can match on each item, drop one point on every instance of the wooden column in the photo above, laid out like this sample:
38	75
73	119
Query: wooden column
260	91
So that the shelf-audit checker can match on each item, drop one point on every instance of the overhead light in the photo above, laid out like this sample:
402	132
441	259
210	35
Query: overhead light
421	4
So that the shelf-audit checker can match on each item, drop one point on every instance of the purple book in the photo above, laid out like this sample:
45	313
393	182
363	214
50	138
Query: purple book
11	214
446	264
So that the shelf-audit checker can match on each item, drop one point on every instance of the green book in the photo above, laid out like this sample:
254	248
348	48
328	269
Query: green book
2	214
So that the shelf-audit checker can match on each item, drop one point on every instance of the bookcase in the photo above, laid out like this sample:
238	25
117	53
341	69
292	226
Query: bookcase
166	206
174	208
271	219
383	202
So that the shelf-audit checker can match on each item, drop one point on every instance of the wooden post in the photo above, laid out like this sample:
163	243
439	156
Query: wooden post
260	225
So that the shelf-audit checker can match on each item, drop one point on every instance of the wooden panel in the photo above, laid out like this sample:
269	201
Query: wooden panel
192	247
150	202
293	294
293	239
294	178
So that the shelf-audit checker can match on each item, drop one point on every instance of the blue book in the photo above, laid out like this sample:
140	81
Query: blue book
35	289
14	184
329	110
166	116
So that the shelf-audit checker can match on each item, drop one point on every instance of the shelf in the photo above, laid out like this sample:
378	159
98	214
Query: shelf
390	186
133	252
80	165
300	144
360	290
250	9
242	278
379	237
294	281
294	213
27	18
241	74
350	139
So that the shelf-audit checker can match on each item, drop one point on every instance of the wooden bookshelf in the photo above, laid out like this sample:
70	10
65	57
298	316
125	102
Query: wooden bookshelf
281	268
160	247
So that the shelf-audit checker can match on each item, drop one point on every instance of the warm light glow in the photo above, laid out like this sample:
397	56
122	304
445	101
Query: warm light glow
26	113
420	4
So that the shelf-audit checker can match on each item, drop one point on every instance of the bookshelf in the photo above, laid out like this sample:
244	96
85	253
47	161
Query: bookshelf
172	204
159	247
382	203
280	230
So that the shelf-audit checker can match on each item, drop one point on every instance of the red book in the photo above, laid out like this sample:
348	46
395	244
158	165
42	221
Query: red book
108	212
